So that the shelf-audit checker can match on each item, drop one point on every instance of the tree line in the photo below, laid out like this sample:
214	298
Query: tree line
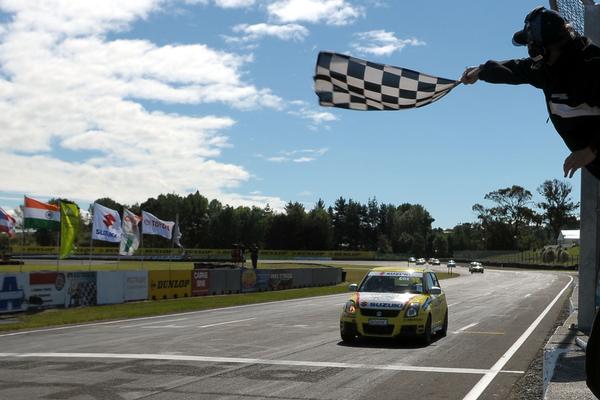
511	221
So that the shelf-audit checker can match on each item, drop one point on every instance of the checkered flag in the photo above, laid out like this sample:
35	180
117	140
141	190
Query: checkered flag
348	82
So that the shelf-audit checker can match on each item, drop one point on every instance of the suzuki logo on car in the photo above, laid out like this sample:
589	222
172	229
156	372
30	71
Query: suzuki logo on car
386	305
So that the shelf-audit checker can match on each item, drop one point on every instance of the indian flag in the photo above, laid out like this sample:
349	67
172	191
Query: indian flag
38	215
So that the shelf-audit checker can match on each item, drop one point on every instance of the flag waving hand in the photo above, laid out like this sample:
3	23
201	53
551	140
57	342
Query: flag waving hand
348	82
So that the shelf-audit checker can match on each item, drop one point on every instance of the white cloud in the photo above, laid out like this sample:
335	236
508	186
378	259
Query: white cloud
249	33
315	116
297	156
234	3
335	12
225	3
382	43
65	87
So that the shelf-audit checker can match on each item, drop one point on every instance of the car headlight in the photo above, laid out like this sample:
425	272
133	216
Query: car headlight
413	310
350	308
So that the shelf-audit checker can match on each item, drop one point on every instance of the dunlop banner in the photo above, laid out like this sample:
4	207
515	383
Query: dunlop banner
169	284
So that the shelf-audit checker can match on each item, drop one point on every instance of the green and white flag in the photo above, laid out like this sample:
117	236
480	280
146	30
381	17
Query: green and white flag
38	215
69	226
130	238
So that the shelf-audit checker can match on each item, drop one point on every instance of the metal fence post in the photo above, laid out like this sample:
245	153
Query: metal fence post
589	214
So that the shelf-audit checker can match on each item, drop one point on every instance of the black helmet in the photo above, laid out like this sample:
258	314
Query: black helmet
542	27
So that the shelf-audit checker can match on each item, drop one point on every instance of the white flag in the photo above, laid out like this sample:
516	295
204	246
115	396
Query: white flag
130	240
106	225
154	226
177	235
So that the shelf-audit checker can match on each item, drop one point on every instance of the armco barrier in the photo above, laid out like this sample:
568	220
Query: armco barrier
208	254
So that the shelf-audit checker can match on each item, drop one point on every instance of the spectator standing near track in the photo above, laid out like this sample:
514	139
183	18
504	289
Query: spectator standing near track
566	67
254	255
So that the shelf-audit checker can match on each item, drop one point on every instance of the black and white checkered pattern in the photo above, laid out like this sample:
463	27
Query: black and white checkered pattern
348	82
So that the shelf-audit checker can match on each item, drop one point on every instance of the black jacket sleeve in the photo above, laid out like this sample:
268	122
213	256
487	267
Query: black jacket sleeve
513	72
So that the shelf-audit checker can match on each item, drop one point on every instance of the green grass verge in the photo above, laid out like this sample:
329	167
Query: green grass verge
57	317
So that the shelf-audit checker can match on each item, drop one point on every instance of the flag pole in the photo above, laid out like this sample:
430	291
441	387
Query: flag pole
23	235
58	250
58	238
173	241
91	240
142	245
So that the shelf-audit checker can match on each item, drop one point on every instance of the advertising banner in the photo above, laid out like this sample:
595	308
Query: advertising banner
47	289
169	284
255	280
136	285
280	280
110	287
12	292
200	282
81	289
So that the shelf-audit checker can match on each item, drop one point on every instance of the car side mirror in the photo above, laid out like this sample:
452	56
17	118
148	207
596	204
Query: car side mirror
352	287
435	290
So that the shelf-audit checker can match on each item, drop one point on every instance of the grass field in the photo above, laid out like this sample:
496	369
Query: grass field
57	317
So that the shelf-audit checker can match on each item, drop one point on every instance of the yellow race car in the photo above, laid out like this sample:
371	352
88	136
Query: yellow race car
395	302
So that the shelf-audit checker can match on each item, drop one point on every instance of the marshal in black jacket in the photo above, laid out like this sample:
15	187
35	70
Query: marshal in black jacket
572	89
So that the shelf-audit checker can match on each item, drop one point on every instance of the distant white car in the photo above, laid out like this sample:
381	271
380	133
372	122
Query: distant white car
435	261
412	260
451	264
420	261
475	267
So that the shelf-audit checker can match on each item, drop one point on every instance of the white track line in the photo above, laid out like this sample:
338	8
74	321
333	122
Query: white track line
467	327
484	382
225	323
151	323
236	360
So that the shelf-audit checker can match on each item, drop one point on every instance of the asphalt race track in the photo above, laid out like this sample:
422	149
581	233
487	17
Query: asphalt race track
292	350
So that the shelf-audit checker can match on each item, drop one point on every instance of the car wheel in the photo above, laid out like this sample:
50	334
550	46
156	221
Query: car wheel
426	338
348	338
444	329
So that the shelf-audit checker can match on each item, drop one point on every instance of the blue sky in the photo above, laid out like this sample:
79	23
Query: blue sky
130	99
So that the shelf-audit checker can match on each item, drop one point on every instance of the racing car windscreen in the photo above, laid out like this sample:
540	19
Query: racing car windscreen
391	282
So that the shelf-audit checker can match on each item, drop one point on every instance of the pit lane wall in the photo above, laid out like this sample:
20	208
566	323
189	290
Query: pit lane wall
44	289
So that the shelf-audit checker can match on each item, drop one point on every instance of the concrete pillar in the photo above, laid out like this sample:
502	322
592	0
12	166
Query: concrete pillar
589	258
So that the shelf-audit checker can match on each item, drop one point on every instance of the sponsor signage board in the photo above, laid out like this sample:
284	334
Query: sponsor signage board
200	282
169	284
47	289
